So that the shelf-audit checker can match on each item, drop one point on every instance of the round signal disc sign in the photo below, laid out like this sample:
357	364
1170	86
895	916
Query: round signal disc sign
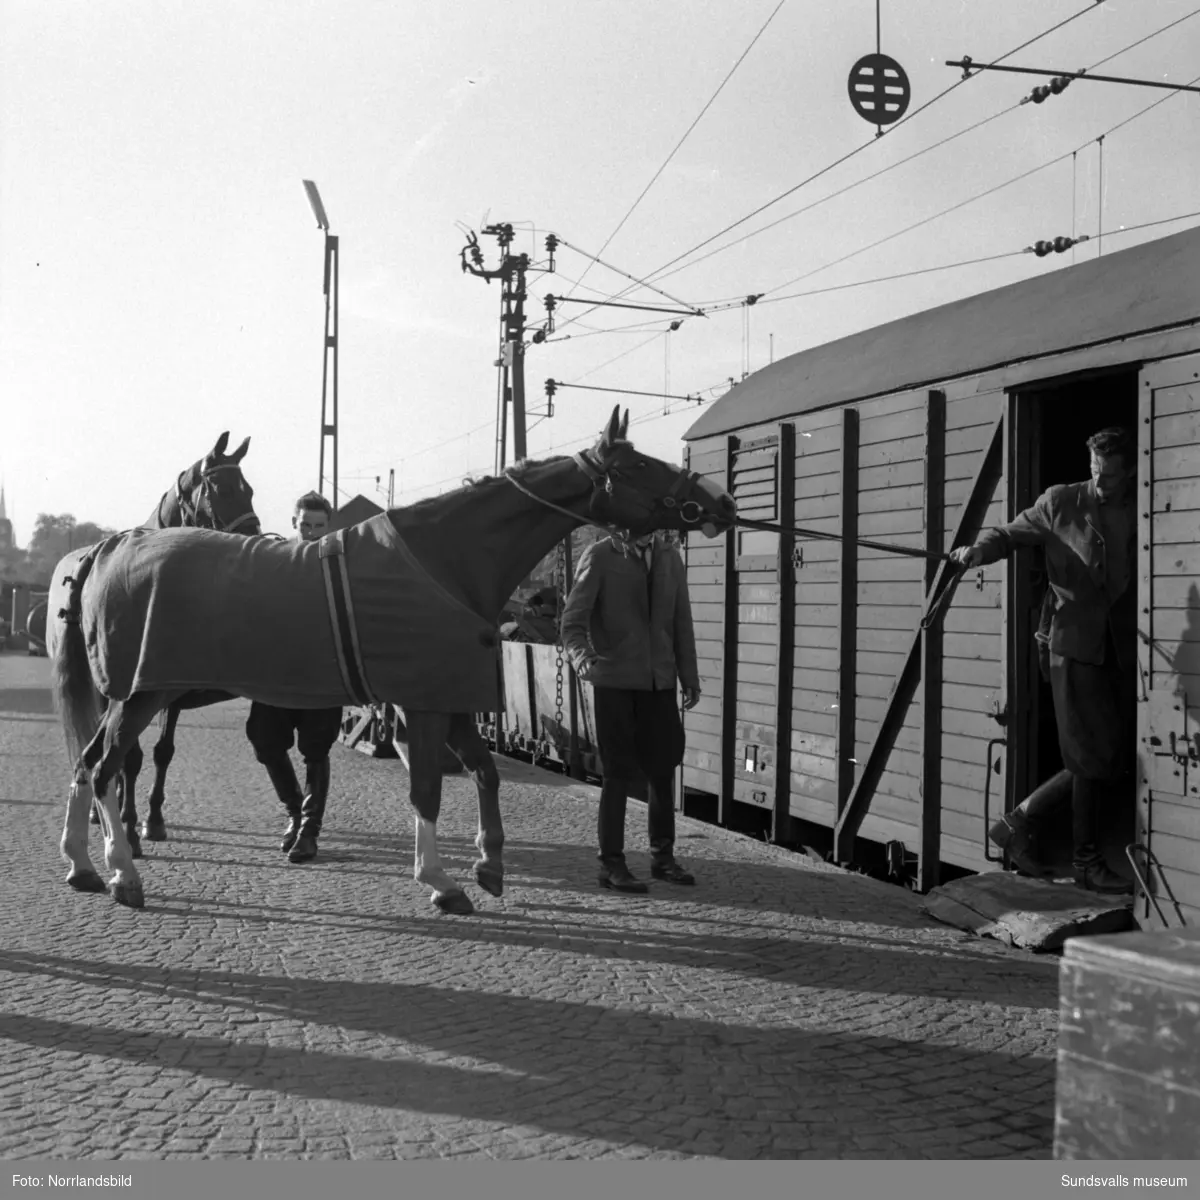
879	89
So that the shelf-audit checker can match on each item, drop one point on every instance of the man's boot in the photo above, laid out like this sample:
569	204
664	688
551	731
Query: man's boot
1092	873
312	811
662	834
615	874
610	831
287	787
1022	832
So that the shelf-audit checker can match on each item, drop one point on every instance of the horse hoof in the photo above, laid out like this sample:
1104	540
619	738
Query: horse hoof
154	831
456	902
490	878
128	894
86	881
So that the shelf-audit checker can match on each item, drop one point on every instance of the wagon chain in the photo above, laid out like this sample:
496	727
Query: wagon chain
560	588
798	531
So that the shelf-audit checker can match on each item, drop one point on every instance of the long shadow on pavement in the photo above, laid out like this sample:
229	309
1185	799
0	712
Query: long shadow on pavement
671	1082
569	867
818	957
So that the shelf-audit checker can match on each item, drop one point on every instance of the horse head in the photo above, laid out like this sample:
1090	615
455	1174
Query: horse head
633	491
214	492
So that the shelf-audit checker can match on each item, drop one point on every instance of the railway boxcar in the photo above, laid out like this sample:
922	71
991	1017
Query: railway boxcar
832	694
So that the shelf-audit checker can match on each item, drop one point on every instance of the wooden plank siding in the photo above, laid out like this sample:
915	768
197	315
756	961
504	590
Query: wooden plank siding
891	434
887	499
1168	807
817	506
895	755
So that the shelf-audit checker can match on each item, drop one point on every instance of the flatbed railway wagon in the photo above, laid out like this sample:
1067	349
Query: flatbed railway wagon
546	717
835	695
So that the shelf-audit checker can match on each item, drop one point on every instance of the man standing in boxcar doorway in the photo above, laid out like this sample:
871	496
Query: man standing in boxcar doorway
627	628
1087	531
271	730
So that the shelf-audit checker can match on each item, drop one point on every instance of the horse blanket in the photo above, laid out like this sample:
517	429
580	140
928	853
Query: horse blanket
353	618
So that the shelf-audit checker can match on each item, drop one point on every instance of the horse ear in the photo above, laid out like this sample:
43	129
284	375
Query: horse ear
240	452
219	448
624	426
614	426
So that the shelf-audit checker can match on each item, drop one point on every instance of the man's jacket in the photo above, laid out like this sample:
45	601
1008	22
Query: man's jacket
1066	522
638	622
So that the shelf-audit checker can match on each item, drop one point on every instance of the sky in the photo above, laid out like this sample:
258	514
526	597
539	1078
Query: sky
161	271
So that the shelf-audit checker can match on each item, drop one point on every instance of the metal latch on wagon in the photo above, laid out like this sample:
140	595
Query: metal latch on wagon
1173	735
1181	744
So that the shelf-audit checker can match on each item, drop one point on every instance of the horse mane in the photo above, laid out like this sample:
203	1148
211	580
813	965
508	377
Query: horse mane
471	486
190	476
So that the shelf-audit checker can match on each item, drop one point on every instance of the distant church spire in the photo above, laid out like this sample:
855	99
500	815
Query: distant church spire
6	530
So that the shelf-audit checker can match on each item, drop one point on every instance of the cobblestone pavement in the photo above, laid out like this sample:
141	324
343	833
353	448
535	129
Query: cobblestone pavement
257	1009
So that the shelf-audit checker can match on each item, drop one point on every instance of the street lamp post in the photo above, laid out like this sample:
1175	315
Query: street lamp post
329	366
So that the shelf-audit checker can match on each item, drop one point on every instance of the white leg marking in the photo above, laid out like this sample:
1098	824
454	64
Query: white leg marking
117	855
74	844
428	866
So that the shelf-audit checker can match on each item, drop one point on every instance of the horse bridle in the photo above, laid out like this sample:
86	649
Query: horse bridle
191	509
603	477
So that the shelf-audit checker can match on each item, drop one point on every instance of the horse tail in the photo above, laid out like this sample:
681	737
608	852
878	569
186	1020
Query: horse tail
75	696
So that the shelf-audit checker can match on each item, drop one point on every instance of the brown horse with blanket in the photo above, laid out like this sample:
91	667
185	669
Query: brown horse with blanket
401	608
210	494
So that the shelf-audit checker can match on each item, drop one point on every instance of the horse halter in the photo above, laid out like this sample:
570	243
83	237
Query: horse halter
192	509
691	511
604	477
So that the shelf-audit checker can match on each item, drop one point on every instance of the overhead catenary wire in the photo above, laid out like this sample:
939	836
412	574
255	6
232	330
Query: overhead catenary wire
660	272
655	274
840	192
712	99
1140	41
617	270
924	221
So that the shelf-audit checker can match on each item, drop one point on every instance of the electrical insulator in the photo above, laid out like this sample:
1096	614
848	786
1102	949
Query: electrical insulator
1057	246
550	303
551	244
551	388
754	299
539	337
1055	87
675	325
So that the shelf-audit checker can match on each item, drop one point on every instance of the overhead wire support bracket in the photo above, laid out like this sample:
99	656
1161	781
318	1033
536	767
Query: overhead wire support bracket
968	65
682	312
553	384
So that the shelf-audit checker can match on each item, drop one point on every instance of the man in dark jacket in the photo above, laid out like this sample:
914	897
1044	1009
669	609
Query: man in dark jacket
627	629
1088	533
272	730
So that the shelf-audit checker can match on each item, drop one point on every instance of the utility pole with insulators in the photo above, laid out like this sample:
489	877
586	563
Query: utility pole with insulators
511	362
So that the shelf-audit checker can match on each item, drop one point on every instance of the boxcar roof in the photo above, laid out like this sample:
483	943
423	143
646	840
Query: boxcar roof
1151	286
